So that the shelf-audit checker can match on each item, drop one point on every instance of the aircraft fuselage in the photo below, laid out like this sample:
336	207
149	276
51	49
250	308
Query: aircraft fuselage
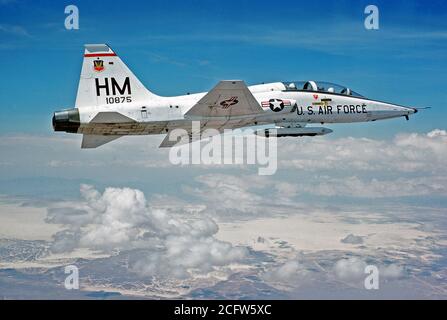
112	102
157	116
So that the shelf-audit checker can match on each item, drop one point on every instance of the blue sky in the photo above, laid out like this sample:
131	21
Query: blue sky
187	46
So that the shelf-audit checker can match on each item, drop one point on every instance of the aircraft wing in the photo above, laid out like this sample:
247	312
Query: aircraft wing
227	99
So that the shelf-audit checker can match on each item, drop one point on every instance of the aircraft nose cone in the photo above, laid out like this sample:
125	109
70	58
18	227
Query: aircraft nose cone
411	110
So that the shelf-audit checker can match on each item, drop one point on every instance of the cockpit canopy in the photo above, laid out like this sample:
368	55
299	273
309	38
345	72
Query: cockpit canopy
319	86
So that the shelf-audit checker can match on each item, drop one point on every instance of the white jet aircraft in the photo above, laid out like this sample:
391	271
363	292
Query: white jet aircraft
111	103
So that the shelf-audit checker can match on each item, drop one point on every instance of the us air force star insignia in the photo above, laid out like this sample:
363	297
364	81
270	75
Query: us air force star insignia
276	105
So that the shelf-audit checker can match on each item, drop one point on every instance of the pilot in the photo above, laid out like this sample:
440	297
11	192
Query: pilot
292	86
346	91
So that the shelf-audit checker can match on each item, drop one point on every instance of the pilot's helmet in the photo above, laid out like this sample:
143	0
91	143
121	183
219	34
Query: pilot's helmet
331	90
292	86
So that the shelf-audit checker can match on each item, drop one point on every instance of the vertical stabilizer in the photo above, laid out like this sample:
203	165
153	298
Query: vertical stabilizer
106	80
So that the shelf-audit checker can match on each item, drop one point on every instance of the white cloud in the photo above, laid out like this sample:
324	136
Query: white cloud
437	133
373	188
121	219
291	273
409	165
406	153
352	270
242	196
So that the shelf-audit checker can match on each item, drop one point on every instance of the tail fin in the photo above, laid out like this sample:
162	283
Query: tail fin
105	79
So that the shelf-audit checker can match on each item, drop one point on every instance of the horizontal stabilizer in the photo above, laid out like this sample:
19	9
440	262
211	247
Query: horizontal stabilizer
111	117
91	141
